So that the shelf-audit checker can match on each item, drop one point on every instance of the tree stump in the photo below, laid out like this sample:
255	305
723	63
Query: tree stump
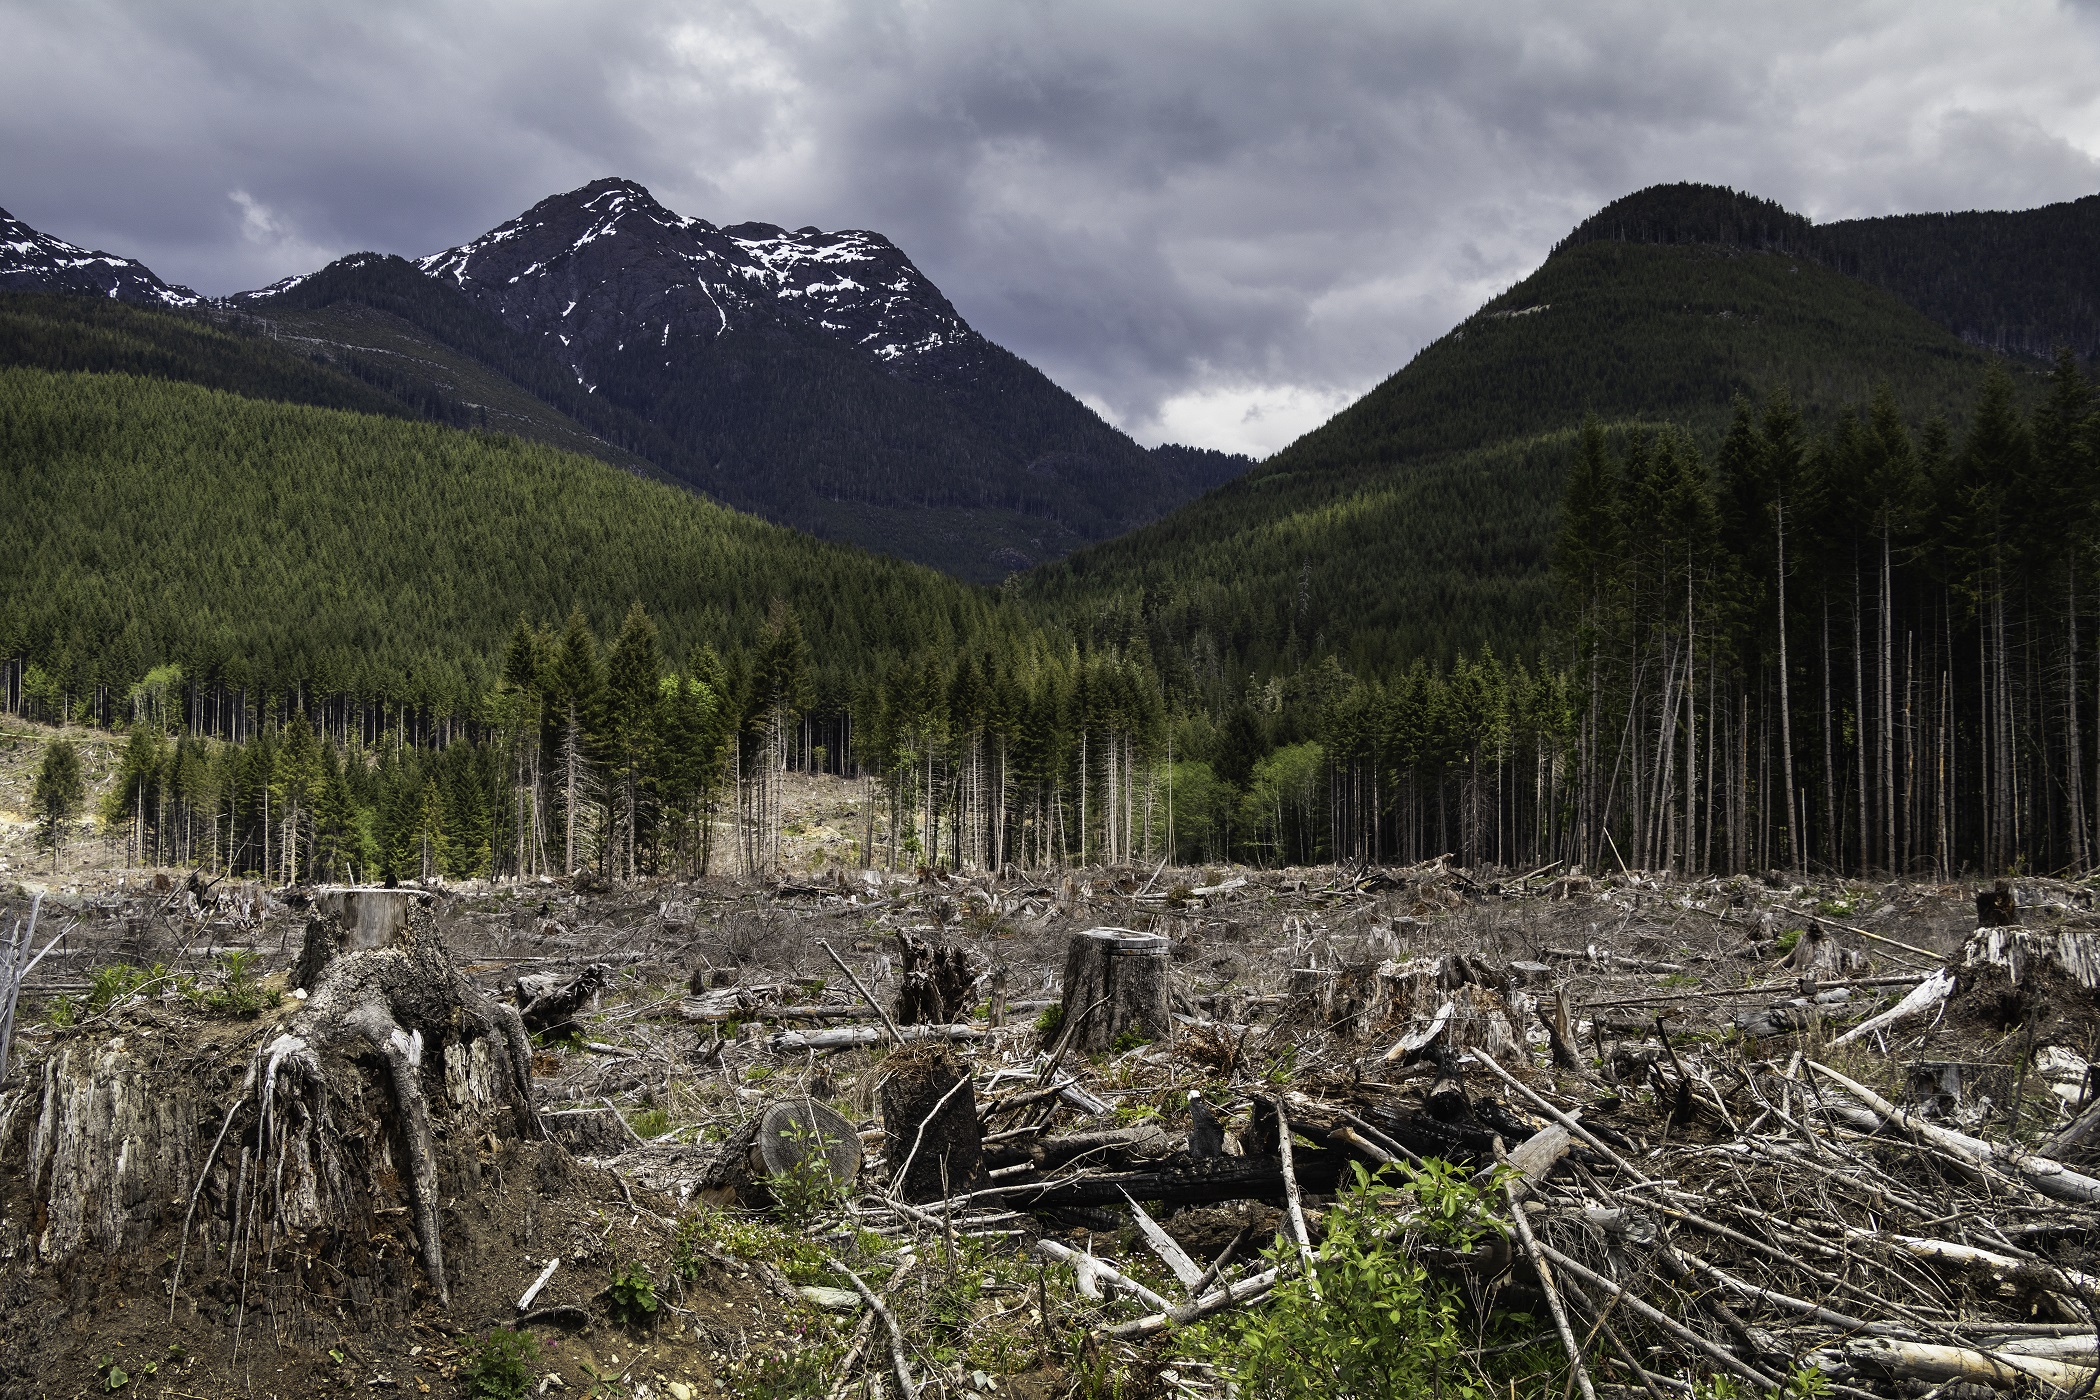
937	983
1115	982
2073	952
396	1065
795	1139
1996	907
549	1003
929	1121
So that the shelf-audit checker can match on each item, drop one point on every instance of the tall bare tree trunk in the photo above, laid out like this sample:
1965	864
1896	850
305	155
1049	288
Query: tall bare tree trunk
2077	773
1786	711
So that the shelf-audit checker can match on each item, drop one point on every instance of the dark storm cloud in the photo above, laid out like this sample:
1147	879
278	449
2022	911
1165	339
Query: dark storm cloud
1216	221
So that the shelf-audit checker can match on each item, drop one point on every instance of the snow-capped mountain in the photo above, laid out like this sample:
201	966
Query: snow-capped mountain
36	262
607	269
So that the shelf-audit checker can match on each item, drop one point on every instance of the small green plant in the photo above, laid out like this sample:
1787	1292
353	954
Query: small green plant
114	1377
807	1188
797	1369
1806	1384
111	984
238	994
1129	1040
744	1236
61	1011
1835	908
650	1122
598	1383
633	1294
500	1368
1788	939
1050	1022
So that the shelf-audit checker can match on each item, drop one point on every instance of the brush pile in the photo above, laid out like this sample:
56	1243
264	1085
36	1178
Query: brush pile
1698	1134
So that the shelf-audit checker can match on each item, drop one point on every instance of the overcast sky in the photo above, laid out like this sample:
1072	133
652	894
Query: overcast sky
1216	222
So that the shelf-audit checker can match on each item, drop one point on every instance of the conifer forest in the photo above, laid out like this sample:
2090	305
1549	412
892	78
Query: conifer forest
1861	648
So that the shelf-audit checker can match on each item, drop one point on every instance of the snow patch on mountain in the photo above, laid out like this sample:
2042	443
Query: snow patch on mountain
37	262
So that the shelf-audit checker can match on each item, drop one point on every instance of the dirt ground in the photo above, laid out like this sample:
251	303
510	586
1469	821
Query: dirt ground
641	1100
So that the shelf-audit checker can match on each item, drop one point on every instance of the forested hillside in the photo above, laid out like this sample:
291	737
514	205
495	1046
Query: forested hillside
1417	522
2019	282
271	549
68	333
818	379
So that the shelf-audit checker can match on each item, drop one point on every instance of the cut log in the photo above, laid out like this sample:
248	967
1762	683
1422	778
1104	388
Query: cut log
717	1012
1918	1361
931	1142
1117	1148
1115	984
2052	1179
795	1042
788	1139
1193	1183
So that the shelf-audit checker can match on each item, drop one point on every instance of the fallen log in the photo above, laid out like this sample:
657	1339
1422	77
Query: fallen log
2020	1276
795	1042
1231	1296
793	1140
1922	998
1114	1146
717	1011
1197	1182
1921	1361
2053	1179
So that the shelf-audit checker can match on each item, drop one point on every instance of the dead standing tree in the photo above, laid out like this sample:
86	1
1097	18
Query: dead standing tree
937	983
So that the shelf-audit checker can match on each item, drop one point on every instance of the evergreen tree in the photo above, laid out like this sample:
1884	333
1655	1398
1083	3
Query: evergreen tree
55	800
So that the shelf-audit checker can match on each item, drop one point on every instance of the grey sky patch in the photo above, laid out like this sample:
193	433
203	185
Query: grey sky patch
1215	221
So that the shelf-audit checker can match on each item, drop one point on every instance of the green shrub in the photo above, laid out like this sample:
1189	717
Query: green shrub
1382	1324
1788	939
111	984
1051	1021
501	1367
633	1294
650	1122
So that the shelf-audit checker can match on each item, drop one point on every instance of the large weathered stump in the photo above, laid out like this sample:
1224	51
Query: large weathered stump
335	1146
1115	982
386	1011
930	1133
